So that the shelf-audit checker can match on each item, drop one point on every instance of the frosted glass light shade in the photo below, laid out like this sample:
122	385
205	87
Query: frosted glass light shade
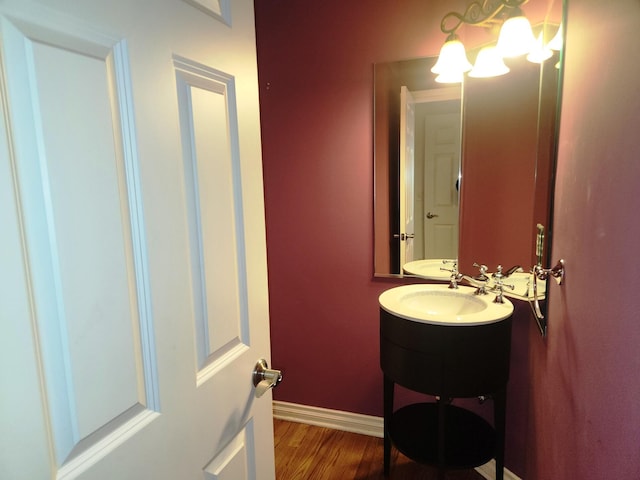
540	52
450	77
452	59
556	41
516	37
488	64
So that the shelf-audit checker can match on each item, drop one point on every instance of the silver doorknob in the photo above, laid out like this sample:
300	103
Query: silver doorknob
403	236
264	378
431	215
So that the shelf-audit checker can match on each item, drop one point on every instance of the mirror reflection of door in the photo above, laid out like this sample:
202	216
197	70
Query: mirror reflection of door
441	167
436	172
407	176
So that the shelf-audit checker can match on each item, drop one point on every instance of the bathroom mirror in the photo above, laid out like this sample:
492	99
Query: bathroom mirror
502	190
417	165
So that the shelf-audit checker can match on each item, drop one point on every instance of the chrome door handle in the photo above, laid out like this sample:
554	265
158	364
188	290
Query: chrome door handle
430	215
265	378
404	236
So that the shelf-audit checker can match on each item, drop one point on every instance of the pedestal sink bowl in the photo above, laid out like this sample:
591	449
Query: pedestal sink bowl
441	305
429	269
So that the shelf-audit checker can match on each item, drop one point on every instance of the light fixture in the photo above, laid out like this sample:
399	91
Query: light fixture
450	77
540	52
556	41
488	64
515	38
452	59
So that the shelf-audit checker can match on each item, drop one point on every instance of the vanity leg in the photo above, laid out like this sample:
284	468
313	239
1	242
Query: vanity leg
388	413
442	405
499	415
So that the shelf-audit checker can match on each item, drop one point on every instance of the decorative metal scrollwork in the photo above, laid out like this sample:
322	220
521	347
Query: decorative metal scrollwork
478	14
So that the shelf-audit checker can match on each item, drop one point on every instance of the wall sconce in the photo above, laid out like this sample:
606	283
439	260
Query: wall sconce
515	39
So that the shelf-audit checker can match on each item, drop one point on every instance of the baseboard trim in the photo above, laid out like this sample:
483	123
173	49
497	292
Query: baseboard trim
324	417
355	423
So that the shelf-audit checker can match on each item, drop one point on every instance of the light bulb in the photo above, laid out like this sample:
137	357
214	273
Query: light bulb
539	53
452	59
488	64
556	41
450	77
516	37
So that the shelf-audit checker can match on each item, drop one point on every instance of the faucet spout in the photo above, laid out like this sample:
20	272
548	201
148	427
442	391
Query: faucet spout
479	281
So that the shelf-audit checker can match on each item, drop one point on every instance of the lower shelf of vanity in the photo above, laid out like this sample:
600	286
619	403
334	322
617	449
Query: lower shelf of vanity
469	439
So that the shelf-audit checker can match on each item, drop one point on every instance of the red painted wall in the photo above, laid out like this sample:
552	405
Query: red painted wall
585	419
499	148
315	64
315	68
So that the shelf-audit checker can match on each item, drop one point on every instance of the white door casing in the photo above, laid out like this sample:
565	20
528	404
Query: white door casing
133	289
407	168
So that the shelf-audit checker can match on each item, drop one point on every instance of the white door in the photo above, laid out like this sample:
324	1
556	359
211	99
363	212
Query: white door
442	164
407	168
133	287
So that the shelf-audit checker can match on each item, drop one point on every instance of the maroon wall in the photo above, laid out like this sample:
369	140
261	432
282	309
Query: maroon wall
316	93
315	67
499	149
585	419
315	64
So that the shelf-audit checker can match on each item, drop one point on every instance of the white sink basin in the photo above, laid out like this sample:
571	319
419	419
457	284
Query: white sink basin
440	305
522	288
428	269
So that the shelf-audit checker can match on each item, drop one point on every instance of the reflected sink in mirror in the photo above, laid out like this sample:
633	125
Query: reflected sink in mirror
523	290
429	269
441	305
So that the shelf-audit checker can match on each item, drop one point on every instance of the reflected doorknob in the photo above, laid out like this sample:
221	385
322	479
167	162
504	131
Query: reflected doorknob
404	236
430	215
265	378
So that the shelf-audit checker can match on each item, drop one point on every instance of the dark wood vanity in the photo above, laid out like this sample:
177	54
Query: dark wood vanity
446	362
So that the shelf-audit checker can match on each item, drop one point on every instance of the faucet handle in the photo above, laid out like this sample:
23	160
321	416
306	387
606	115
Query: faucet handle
499	285
454	266
483	271
455	275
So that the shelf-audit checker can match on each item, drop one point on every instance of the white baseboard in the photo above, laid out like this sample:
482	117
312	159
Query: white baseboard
323	417
355	423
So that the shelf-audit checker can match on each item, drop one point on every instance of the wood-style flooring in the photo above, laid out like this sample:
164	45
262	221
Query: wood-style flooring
306	452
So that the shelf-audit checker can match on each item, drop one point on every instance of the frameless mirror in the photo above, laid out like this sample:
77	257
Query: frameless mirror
487	198
417	165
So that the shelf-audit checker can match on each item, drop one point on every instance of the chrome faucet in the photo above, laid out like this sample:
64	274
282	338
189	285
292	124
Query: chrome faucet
455	275
540	273
480	281
499	285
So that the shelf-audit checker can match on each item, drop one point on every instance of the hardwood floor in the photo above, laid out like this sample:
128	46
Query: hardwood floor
306	452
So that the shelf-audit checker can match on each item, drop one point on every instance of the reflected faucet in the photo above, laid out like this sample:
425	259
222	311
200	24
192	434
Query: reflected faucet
499	285
480	281
455	275
543	274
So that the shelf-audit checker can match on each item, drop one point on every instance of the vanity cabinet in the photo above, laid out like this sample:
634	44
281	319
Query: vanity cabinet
445	361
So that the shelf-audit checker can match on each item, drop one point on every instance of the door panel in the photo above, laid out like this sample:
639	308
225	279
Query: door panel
442	161
209	129
131	180
78	235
